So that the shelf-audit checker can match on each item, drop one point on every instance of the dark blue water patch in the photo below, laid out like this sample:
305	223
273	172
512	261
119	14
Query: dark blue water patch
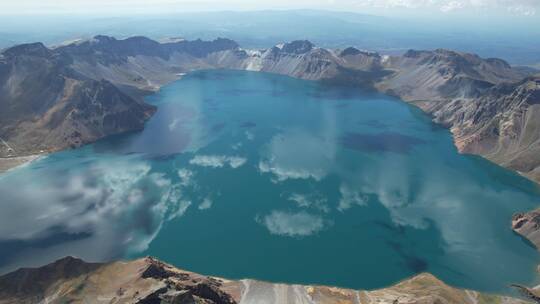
218	75
526	240
323	93
218	127
53	236
342	106
414	263
397	229
380	142
248	125
239	91
160	157
375	124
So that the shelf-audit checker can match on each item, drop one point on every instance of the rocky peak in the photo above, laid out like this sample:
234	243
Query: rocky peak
297	47
455	66
414	53
533	80
30	281
530	87
458	59
199	48
37	49
526	91
498	62
103	38
350	51
126	47
443	55
225	43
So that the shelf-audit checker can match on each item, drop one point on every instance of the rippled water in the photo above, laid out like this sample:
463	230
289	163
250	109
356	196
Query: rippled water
245	174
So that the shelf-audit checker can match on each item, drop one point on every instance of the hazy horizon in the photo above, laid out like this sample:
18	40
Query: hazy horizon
389	26
454	8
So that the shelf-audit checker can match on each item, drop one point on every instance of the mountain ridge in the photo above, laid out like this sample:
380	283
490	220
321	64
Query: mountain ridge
448	85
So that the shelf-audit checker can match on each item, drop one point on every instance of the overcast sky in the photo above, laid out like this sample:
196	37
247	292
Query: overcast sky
530	8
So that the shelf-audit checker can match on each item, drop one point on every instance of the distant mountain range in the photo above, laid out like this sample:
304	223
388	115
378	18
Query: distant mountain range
149	281
74	94
516	40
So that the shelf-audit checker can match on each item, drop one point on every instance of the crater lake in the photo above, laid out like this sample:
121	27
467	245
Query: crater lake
253	175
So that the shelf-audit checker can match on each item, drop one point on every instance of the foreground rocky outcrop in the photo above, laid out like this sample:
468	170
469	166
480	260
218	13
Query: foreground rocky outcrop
147	280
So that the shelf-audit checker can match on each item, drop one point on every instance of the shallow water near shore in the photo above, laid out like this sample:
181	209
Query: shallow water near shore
252	175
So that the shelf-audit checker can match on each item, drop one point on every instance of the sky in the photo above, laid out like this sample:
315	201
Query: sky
510	8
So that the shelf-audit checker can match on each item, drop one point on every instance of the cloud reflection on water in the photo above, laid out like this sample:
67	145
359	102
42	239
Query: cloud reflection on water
292	224
115	206
298	154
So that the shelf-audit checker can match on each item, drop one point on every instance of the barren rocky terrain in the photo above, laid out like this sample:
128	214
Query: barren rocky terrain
148	280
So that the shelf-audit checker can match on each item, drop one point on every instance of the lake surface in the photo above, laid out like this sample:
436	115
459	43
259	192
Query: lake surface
251	175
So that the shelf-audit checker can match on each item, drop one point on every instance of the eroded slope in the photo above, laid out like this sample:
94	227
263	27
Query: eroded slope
147	280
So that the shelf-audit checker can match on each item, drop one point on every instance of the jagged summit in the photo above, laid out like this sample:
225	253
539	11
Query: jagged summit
350	51
29	282
103	38
298	47
458	59
37	49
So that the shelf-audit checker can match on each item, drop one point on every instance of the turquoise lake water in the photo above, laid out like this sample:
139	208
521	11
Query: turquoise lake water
252	175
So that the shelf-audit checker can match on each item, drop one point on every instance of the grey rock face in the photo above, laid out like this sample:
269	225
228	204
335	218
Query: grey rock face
52	99
502	124
528	225
297	47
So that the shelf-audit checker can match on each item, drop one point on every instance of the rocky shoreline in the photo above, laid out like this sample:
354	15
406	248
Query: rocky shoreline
528	225
147	280
8	163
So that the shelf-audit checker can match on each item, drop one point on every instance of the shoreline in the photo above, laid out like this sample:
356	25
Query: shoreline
10	163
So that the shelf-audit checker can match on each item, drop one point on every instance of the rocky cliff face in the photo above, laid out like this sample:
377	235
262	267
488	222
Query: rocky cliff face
528	225
47	106
491	108
52	99
502	124
444	74
147	280
140	62
301	59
